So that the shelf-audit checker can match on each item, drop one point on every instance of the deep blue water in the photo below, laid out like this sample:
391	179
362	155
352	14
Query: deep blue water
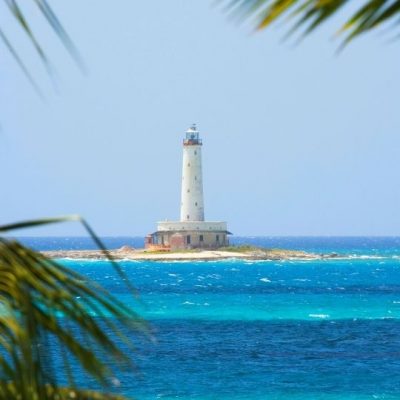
326	329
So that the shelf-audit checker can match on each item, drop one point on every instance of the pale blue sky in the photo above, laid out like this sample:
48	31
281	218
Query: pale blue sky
297	140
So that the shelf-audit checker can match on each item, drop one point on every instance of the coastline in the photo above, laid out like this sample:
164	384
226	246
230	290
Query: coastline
128	253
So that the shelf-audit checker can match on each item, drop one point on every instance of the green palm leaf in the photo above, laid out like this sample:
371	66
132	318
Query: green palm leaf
310	14
41	300
51	18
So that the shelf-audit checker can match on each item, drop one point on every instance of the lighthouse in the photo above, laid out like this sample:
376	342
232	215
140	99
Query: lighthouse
192	202
192	230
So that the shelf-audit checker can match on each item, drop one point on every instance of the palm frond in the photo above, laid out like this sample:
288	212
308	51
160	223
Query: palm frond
10	391
310	14
53	21
41	302
70	218
20	63
19	16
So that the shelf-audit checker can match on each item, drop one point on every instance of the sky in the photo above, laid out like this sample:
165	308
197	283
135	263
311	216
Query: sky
298	139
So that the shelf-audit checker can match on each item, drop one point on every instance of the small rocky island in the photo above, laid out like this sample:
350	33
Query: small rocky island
236	252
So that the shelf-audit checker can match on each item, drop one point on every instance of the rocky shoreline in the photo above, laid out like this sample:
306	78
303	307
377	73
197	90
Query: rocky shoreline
128	253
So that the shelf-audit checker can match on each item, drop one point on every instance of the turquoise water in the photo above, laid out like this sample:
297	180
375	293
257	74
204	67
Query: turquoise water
261	290
326	329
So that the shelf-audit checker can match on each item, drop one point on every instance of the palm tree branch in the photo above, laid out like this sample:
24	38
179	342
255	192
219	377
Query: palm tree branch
19	16
39	301
312	13
92	234
20	63
55	23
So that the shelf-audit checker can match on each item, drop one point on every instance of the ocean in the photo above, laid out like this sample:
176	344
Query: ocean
288	330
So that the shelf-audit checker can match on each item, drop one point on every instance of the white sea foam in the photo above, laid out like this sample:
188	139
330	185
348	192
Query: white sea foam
214	276
352	257
265	280
321	316
128	260
362	257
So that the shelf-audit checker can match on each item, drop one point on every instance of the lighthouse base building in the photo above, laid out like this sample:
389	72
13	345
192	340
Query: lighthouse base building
192	231
180	235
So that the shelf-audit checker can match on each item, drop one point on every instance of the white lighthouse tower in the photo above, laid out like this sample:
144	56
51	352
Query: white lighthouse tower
192	202
191	231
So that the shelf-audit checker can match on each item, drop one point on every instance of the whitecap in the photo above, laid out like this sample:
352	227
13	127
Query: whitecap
265	280
214	276
188	302
322	316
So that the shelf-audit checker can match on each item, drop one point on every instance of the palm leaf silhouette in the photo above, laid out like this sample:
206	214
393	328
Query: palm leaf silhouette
18	15
308	15
43	301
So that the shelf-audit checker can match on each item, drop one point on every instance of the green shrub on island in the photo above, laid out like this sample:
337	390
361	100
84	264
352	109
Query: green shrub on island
158	251
244	248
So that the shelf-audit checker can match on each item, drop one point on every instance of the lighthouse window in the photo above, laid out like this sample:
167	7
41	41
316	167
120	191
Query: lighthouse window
217	238
195	204
188	239
195	152
187	216
201	238
188	190
195	178
188	164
